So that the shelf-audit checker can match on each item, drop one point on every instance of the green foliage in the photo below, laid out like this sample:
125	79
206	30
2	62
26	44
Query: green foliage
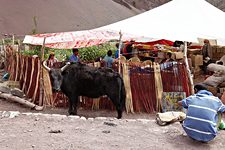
91	53
60	54
86	54
30	52
8	41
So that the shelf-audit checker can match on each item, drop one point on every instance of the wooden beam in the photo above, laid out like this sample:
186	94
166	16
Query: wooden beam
20	100
41	94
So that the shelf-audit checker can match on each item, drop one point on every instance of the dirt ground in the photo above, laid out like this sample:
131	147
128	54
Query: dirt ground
60	132
134	131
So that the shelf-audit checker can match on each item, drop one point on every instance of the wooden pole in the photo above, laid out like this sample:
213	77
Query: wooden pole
4	49
188	68
20	100
41	95
13	40
120	46
19	54
158	85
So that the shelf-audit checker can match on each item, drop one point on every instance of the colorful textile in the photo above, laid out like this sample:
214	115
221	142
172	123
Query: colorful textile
170	100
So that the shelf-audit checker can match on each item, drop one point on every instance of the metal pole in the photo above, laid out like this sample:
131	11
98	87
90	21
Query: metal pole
188	68
120	46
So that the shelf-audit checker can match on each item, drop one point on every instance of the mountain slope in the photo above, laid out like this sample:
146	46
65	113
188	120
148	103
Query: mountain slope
17	16
149	4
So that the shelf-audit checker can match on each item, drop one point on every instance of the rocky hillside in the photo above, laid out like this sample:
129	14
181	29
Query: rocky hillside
149	4
22	17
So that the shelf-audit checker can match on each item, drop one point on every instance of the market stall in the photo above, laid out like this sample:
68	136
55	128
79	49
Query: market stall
158	23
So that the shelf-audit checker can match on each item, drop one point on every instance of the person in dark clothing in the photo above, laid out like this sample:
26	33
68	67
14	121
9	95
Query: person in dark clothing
207	55
178	43
128	50
168	58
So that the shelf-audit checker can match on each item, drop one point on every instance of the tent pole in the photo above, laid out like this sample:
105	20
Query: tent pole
120	46
190	77
41	94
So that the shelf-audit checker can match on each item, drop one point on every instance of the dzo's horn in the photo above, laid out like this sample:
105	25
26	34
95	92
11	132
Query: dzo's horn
45	66
64	67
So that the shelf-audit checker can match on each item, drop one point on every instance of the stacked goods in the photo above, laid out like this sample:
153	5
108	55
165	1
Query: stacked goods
196	60
178	55
194	52
217	52
196	57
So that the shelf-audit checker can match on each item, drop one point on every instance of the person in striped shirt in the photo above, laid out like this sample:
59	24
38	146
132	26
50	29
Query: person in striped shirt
202	114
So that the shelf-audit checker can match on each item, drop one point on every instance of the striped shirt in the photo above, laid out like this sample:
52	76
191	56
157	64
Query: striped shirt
202	117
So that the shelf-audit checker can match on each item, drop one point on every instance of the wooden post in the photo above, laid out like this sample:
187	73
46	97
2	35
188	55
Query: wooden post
13	40
41	95
20	100
19	54
120	46
4	49
188	69
158	85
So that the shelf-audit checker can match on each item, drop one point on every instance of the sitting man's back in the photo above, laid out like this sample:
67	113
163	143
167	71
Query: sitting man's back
202	114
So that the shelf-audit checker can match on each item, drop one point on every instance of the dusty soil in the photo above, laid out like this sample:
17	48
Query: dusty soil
33	131
134	131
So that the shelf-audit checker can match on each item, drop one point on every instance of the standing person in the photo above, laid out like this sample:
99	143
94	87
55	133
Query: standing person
128	49
202	114
108	59
207	55
75	56
117	51
51	60
168	58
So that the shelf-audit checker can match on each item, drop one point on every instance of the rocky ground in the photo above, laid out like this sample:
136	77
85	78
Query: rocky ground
52	129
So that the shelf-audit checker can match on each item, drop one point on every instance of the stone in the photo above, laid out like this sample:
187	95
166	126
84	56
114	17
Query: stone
58	116
17	92
10	114
130	120
14	114
90	119
4	89
100	118
143	120
74	117
83	118
37	114
27	114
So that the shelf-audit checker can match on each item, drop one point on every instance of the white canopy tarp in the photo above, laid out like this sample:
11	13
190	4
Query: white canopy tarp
184	20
